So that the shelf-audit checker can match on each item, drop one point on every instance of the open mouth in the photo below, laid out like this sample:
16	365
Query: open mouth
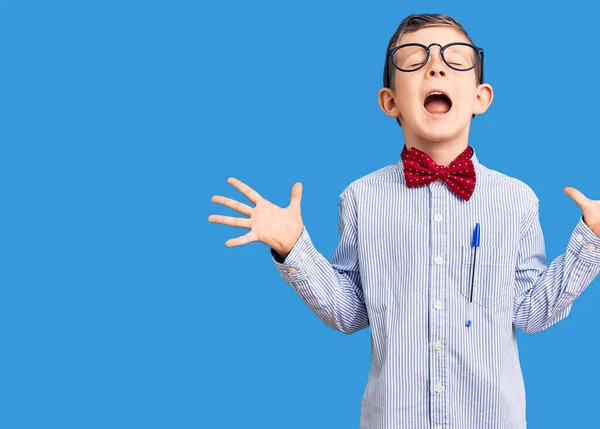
437	103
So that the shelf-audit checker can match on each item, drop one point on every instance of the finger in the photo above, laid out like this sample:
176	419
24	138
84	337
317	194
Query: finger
580	199
244	239
233	204
250	193
231	221
296	196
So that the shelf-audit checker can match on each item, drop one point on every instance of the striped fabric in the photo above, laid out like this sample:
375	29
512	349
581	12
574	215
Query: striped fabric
403	267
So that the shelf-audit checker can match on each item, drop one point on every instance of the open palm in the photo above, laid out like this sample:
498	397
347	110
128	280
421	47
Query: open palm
279	228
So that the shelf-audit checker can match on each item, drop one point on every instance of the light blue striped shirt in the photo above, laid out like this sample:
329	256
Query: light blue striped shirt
403	267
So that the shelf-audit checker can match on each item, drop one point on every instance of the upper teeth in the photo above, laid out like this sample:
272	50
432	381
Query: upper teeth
435	93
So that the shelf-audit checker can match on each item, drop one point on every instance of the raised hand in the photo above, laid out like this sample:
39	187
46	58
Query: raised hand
589	208
279	228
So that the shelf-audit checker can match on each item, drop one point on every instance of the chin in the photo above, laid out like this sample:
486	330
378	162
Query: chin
439	132
438	137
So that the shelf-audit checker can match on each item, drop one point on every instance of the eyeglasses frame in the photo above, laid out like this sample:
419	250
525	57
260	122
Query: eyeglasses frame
391	52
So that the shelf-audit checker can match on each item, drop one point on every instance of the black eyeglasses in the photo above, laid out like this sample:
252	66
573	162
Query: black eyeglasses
413	56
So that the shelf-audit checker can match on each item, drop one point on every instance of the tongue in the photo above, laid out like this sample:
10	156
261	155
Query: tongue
437	106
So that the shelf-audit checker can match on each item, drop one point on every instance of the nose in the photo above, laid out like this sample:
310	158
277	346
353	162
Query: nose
436	65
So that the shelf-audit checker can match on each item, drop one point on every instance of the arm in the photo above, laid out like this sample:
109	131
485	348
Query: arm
333	289
543	294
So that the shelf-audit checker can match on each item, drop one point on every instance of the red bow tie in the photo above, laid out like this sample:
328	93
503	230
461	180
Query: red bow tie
420	169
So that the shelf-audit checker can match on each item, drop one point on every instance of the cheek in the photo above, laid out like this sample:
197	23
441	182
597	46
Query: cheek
466	100
409	100
408	90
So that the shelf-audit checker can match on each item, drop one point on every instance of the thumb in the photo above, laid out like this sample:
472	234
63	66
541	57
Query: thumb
296	194
580	199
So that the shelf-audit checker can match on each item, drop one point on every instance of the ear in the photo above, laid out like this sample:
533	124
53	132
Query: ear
387	103
485	95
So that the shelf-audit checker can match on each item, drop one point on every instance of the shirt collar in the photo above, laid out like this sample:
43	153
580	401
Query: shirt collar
476	164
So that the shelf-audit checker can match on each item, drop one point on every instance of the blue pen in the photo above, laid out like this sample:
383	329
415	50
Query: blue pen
475	244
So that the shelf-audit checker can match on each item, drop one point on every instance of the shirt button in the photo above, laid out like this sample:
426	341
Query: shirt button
437	346
439	388
591	247
302	256
438	427
292	270
579	238
437	305
438	217
439	260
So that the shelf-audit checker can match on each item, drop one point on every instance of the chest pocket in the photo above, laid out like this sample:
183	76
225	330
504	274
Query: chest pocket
494	275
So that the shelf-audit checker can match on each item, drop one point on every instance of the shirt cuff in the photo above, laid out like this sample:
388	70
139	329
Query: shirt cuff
298	263
584	243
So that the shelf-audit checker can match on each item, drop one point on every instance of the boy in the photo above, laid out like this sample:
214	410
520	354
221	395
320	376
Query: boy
442	307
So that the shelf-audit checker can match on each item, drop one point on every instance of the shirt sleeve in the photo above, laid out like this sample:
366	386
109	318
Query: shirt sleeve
332	289
544	294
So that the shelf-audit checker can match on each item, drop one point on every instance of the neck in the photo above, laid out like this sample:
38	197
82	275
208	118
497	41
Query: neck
442	152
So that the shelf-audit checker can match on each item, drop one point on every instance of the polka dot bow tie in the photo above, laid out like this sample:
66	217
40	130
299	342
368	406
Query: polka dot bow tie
420	169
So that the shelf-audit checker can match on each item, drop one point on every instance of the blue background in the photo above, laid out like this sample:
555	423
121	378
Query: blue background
120	305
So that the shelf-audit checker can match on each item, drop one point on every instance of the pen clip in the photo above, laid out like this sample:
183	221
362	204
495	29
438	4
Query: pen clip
476	238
